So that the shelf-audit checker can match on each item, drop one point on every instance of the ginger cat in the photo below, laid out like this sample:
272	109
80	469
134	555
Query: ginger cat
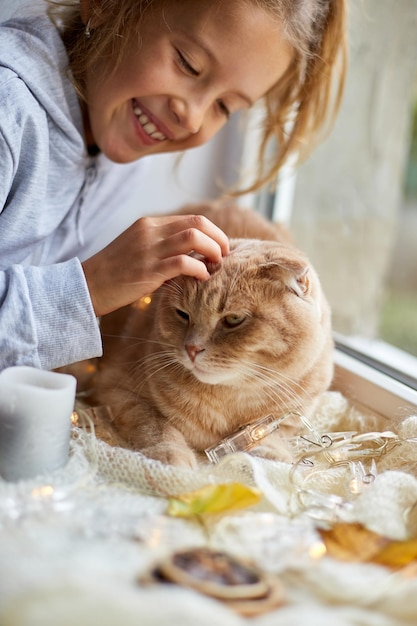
205	358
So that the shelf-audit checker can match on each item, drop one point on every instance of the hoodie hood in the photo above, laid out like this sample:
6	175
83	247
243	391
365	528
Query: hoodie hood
34	51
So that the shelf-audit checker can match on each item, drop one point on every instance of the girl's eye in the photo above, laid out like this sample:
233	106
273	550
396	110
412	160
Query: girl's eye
231	321
223	108
189	69
183	315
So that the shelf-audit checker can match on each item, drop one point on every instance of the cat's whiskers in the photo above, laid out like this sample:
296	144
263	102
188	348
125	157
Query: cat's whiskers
277	396
285	378
150	361
157	342
152	364
281	391
276	386
135	341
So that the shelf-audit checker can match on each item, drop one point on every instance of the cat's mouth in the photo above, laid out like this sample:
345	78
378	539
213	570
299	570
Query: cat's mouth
210	376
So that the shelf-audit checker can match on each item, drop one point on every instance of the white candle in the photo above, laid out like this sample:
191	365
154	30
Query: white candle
35	421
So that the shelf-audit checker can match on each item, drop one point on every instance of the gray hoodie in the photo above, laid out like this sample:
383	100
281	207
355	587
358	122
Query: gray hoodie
54	199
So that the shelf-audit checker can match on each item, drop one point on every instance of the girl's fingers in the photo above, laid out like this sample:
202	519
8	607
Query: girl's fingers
190	240
190	226
147	254
182	265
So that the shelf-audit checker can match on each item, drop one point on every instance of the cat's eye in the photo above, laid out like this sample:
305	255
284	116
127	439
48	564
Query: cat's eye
231	321
183	315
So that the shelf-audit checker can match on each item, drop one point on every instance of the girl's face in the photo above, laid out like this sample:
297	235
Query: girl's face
194	64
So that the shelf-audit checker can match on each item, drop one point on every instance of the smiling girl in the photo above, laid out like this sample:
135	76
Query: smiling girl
87	92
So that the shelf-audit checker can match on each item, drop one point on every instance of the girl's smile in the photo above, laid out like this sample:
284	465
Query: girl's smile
190	67
146	124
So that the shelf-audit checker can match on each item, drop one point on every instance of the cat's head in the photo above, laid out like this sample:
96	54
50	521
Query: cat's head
261	308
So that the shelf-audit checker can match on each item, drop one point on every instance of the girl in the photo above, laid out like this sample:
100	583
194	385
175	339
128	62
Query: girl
89	90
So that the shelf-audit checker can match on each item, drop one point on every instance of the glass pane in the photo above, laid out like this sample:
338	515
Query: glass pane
354	209
398	316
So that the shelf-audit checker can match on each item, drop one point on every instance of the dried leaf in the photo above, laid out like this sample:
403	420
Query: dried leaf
354	542
213	499
397	553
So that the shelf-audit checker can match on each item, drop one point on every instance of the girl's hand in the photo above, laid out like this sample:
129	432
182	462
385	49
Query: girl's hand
151	251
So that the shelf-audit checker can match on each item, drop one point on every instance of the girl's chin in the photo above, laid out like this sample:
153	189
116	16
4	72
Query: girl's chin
127	154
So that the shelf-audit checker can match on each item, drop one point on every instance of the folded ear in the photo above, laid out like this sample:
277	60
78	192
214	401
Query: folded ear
300	283
292	272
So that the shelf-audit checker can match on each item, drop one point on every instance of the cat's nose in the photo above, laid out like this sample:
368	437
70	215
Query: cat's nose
193	350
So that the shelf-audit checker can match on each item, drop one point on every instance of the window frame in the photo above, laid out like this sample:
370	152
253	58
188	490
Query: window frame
371	389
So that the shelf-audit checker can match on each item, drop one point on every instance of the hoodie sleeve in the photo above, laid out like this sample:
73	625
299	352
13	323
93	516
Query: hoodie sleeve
46	316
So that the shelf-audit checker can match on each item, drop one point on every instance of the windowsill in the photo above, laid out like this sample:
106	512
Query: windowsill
367	387
387	355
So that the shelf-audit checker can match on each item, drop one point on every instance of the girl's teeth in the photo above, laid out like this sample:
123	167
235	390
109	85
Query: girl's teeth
147	125
149	128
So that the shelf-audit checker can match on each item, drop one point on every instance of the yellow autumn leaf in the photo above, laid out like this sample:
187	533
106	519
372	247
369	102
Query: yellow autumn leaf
354	542
213	499
397	553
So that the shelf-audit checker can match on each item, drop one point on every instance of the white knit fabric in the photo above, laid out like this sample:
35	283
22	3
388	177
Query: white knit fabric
73	544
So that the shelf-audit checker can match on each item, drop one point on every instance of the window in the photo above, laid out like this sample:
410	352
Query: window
398	313
353	208
354	203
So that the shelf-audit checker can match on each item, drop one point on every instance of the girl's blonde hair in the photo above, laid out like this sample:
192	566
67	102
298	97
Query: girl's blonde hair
298	108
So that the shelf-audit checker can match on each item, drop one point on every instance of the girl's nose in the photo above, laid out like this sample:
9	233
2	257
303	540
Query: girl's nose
188	115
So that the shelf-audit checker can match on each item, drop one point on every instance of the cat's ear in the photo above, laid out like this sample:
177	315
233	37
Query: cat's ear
294	273
300	283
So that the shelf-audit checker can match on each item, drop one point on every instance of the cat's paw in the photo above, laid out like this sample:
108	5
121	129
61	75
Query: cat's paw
172	455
